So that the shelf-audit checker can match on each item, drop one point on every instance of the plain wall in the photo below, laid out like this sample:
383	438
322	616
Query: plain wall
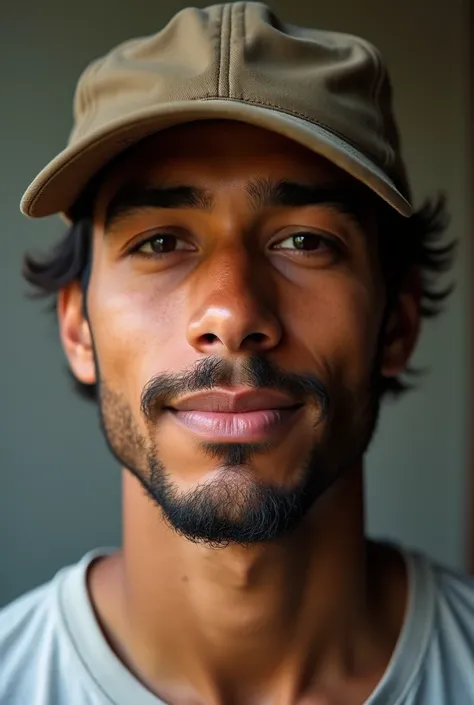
60	490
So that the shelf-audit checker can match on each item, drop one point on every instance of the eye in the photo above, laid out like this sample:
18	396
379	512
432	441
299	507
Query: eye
306	241
160	244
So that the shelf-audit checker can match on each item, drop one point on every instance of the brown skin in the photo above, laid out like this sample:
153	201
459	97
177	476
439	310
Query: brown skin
314	616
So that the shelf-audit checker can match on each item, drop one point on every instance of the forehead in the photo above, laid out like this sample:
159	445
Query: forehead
211	153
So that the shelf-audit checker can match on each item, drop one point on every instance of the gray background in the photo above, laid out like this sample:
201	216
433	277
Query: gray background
60	490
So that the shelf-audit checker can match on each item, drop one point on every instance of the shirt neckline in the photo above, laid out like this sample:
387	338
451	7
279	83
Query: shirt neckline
121	687
110	676
412	643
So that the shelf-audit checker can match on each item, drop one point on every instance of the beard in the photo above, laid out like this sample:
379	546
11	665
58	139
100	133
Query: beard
235	507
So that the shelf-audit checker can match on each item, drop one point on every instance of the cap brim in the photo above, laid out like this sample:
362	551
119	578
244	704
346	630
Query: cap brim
59	184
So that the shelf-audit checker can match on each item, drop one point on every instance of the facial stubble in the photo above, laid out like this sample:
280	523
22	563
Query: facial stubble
236	507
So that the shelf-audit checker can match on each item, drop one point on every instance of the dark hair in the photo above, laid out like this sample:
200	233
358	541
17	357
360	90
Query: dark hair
408	246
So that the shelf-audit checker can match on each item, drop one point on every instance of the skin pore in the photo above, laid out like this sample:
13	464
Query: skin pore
228	256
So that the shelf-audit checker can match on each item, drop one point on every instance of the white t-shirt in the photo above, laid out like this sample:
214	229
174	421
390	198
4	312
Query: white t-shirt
52	651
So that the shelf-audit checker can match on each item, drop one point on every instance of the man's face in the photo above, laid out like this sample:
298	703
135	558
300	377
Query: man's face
235	307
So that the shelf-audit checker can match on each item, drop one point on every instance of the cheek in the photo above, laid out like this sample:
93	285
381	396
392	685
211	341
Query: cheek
337	325
136	336
331	322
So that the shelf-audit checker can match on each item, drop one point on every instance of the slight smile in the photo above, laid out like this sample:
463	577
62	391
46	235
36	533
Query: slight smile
244	416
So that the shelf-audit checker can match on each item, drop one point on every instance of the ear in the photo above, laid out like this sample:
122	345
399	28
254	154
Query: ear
75	333
402	329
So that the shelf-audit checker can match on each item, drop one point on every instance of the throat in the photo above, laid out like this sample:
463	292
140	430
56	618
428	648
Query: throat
317	612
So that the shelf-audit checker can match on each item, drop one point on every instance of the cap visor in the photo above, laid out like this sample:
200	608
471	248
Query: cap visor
59	184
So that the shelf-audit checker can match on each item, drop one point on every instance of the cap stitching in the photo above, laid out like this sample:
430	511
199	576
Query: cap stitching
79	93
373	88
375	92
223	69
383	72
89	102
244	36
219	49
84	96
239	9
377	88
92	102
229	45
226	50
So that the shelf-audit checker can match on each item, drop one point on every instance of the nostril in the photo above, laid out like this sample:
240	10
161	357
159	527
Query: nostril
256	337
209	338
252	341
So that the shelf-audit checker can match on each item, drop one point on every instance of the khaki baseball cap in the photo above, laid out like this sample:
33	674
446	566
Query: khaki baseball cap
327	91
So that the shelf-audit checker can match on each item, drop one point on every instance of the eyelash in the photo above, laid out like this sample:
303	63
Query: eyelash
331	242
134	249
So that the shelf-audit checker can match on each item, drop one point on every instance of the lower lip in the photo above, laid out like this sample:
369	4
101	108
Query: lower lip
249	426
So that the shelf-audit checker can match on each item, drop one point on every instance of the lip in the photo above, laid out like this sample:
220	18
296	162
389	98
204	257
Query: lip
221	401
239	416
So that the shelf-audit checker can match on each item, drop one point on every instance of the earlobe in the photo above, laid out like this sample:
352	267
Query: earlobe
75	333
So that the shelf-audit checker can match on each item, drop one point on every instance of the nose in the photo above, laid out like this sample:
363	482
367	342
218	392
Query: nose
233	312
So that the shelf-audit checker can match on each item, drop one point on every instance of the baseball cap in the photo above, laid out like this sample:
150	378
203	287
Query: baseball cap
327	91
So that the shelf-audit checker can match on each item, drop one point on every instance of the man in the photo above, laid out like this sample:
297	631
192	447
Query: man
241	283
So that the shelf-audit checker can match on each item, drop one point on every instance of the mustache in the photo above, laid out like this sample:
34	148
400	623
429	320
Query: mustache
212	372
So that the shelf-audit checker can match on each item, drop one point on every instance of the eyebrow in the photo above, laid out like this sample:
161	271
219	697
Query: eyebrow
262	193
347	200
136	197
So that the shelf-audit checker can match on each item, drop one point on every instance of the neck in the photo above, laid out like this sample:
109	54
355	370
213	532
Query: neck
244	620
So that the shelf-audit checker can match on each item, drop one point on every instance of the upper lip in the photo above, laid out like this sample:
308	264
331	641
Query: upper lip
228	401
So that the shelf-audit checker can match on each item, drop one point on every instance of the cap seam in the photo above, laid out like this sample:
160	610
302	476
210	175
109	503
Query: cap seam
85	98
375	94
224	71
376	83
243	17
229	45
238	10
89	102
219	51
244	35
227	48
383	76
378	88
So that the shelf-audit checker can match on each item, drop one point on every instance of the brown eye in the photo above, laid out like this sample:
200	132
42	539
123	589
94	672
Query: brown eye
305	241
161	244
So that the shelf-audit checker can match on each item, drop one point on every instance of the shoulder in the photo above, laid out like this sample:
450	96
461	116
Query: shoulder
454	598
29	627
25	617
449	662
35	646
454	611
